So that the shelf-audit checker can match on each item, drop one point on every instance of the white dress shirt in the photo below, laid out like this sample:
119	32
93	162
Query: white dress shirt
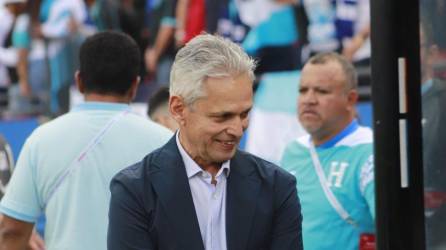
209	200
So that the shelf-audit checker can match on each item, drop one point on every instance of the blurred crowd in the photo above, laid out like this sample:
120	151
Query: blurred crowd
40	39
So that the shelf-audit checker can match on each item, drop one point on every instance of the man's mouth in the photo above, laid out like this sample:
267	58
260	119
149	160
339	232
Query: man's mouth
231	142
308	112
227	144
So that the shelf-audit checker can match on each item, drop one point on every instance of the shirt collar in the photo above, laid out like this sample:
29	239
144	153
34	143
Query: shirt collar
192	167
341	135
110	106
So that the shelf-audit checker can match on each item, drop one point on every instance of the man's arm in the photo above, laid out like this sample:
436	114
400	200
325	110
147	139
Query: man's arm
287	225
14	234
128	224
22	71
164	37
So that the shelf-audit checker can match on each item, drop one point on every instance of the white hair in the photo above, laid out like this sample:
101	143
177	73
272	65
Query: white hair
203	57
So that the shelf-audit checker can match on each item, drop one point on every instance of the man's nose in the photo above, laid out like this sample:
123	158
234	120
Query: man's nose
308	98
237	126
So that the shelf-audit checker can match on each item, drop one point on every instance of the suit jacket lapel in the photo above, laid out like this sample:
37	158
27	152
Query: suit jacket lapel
242	190
172	187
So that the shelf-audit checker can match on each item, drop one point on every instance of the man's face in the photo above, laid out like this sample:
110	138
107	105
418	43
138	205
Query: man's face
325	106
211	128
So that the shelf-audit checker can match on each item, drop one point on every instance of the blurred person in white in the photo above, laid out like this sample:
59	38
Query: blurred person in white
158	109
65	166
333	164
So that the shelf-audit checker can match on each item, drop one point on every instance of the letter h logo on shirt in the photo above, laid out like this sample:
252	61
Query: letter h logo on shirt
337	171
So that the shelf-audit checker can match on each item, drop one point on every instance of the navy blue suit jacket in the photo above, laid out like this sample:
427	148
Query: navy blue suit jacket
152	208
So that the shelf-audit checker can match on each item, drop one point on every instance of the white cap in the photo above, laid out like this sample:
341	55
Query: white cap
13	1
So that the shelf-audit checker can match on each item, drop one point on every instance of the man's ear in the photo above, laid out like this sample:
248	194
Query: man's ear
177	108
134	88
352	98
79	82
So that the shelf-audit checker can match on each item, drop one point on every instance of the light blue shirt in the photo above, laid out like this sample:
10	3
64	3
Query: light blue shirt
347	162
76	206
209	200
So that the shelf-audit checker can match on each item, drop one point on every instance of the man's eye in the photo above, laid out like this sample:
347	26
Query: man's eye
220	118
323	91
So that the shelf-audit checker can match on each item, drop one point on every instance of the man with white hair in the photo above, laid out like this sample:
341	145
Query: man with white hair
199	191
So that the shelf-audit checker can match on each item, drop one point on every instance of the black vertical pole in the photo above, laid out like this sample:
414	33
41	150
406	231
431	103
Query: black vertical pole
395	44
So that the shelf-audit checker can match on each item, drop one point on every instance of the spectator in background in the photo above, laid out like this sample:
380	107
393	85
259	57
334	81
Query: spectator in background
59	22
333	165
30	96
71	185
273	36
433	96
158	109
190	20
6	164
8	56
340	25
353	30
199	191
103	14
161	49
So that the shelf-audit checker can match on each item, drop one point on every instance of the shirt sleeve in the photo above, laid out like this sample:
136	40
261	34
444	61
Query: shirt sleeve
287	224
168	17
21	200
128	223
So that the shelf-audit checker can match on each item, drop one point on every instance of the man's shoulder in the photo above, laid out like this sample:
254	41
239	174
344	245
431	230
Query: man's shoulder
298	146
143	169
362	136
51	128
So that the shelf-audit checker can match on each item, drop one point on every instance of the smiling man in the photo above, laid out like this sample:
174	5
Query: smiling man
199	191
333	165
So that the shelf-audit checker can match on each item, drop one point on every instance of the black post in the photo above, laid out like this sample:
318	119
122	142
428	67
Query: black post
395	41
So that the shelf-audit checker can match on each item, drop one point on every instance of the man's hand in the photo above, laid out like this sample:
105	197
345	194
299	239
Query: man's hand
36	242
151	60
